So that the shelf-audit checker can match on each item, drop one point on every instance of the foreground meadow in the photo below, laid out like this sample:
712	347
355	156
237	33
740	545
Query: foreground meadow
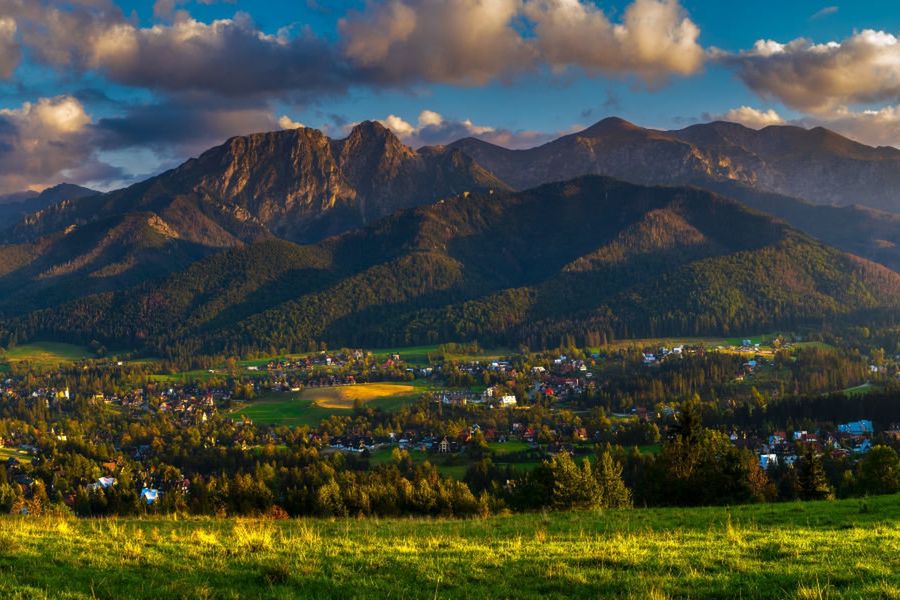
846	549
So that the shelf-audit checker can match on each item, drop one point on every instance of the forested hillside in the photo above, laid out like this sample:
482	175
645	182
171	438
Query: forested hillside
593	258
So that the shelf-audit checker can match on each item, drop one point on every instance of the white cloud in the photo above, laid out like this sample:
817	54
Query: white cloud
389	43
474	41
429	117
433	128
825	12
47	141
62	115
450	41
229	57
285	122
655	39
752	117
820	78
402	129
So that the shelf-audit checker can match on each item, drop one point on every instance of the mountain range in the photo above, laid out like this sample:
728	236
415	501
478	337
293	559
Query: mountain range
816	165
283	240
16	206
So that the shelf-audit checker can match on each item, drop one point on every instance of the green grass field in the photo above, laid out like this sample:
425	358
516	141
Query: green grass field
845	549
45	354
312	405
7	453
862	389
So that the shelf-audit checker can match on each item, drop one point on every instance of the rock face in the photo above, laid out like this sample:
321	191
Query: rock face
816	165
294	184
297	185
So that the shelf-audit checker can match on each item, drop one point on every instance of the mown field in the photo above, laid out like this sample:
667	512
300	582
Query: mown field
312	405
845	549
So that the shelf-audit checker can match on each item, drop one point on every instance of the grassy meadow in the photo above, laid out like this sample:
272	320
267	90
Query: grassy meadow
45	354
843	549
7	453
311	405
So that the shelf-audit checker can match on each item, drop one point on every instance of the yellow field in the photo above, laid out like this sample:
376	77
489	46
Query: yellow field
345	397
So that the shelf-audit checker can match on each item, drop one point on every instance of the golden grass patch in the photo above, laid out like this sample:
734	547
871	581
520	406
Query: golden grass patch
345	397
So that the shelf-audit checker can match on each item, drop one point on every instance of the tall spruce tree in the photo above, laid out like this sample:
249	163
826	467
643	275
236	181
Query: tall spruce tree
608	472
813	481
573	487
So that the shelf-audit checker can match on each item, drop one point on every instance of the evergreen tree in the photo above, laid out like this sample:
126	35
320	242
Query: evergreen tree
812	479
573	487
608	472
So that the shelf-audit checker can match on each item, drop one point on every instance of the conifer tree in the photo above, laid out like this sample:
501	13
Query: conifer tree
608	472
813	481
573	487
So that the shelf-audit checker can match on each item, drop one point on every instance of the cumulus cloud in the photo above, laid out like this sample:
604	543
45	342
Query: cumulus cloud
820	78
751	117
432	128
10	53
473	41
451	41
655	39
285	122
44	141
389	42
230	57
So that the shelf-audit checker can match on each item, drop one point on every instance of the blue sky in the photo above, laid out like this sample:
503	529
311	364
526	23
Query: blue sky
106	91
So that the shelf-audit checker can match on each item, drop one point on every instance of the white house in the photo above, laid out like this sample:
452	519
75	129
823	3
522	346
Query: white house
508	400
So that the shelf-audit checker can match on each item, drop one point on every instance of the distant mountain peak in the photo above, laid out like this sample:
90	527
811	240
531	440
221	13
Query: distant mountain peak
372	135
611	124
369	128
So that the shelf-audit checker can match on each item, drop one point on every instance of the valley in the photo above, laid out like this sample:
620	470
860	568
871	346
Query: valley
439	299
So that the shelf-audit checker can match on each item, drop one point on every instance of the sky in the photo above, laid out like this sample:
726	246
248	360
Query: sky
107	92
